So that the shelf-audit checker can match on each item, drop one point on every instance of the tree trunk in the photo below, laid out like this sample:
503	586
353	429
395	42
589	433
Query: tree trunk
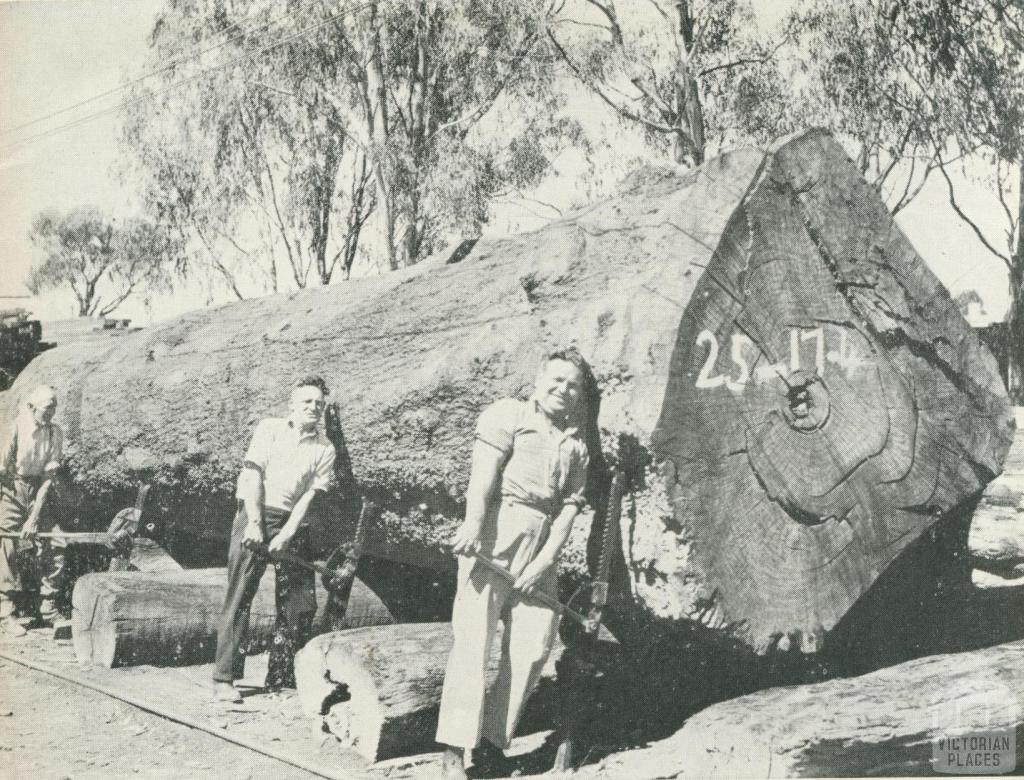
170	618
378	689
892	722
377	121
794	396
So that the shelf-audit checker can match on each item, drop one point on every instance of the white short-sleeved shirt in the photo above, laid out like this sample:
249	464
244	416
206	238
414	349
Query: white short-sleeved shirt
291	462
31	449
545	468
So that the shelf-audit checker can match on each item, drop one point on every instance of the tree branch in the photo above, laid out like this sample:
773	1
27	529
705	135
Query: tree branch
478	113
661	128
117	301
967	220
609	13
217	264
663	108
743	61
907	197
1001	194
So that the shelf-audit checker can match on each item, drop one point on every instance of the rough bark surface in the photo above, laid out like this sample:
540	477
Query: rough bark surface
884	723
378	689
170	618
793	393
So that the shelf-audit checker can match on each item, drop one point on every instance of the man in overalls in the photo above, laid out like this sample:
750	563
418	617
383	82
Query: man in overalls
30	455
526	487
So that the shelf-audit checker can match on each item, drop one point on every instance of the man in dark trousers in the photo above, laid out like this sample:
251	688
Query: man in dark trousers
288	461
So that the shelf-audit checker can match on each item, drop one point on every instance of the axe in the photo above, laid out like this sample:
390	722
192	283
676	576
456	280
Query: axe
338	572
117	536
543	598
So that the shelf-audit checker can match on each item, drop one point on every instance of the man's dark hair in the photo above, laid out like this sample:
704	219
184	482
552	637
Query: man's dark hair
571	355
312	381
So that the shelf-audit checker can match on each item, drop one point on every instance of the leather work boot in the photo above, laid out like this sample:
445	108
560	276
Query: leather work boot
452	765
225	693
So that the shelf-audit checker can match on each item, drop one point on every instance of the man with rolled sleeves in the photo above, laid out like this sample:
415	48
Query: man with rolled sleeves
30	455
526	485
288	462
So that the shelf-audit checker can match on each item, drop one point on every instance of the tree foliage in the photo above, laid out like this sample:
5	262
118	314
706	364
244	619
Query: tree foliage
102	262
699	76
332	123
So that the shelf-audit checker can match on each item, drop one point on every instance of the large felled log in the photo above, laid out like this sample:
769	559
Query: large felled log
794	395
170	618
900	721
378	689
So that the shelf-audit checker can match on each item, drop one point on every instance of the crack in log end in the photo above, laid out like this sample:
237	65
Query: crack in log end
339	695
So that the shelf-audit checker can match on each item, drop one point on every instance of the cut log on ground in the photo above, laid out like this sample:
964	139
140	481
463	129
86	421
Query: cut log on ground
997	528
997	537
378	689
170	618
1007	490
794	396
898	721
987	580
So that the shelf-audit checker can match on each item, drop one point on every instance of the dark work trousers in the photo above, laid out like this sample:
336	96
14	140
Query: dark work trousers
295	600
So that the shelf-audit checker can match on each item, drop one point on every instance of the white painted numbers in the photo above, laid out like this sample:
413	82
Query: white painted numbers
744	354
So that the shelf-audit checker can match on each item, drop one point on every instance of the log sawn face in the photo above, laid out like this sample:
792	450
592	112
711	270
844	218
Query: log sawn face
826	404
793	395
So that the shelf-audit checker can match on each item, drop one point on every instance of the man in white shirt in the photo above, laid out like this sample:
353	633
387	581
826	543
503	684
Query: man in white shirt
31	454
526	487
288	461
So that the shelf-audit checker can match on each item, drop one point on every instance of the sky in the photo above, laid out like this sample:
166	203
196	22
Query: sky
56	53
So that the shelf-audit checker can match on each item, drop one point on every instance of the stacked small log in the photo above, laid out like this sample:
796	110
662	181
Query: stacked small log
170	617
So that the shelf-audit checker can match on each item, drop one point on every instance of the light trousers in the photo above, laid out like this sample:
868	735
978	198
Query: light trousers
470	712
15	506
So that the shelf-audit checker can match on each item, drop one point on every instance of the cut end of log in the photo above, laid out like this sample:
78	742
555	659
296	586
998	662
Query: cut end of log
826	404
378	689
349	706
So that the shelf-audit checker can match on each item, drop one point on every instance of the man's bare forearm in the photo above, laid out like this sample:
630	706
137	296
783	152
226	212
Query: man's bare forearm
298	514
250	490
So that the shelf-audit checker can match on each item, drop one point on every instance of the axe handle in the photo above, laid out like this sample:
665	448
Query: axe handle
543	598
85	537
37	504
287	557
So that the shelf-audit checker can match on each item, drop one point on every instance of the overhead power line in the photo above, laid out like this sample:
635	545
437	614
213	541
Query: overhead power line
181	82
168	67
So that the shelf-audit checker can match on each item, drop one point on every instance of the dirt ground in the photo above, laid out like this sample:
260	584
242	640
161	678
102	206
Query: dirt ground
53	729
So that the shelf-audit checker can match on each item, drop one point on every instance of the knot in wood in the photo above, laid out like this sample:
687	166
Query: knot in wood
806	405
